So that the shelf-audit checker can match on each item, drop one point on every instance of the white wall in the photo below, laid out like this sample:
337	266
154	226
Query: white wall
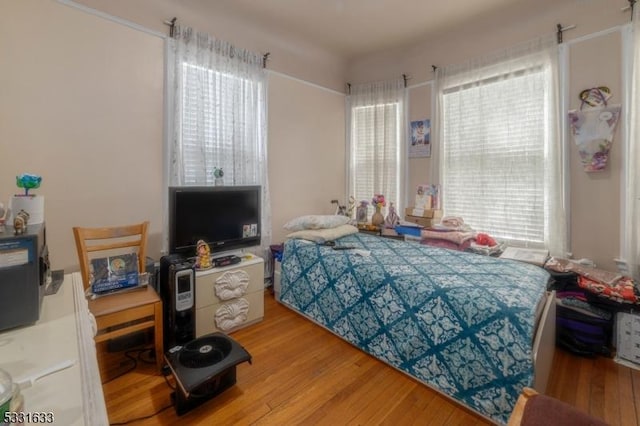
288	54
594	197
82	105
306	150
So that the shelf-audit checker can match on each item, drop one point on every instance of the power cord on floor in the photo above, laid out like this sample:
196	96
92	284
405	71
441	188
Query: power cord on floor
165	372
141	418
134	361
151	358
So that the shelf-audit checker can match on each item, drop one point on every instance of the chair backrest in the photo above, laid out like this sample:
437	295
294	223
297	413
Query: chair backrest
90	240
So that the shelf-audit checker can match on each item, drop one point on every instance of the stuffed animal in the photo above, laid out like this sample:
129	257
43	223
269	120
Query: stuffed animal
20	222
340	210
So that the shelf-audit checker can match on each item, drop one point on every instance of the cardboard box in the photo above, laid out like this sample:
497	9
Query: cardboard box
428	213
422	221
423	201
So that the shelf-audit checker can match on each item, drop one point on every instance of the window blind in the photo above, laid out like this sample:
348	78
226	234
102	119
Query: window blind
214	130
494	155
375	151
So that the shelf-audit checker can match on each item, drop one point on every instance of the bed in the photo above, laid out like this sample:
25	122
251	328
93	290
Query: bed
470	326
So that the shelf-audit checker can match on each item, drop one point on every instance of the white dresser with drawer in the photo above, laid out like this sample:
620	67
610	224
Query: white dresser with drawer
230	297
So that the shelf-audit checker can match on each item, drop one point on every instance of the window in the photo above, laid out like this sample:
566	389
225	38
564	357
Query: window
494	154
214	128
216	117
376	155
500	153
374	159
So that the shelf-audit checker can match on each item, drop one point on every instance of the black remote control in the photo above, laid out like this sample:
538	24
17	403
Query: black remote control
226	260
343	247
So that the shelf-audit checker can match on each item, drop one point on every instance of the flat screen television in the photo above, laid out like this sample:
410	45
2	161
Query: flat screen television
225	217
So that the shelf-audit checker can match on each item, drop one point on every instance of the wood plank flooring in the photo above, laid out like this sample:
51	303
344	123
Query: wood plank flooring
302	374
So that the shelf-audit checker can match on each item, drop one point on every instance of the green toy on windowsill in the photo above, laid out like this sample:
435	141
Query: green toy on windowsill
218	174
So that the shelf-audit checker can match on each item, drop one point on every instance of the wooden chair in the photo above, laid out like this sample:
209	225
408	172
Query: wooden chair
119	314
533	409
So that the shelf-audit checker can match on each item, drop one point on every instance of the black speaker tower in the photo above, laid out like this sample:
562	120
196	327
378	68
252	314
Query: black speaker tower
177	290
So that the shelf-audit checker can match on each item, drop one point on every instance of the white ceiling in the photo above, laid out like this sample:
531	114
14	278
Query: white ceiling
353	27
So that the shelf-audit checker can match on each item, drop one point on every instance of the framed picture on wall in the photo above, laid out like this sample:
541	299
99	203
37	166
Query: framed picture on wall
420	141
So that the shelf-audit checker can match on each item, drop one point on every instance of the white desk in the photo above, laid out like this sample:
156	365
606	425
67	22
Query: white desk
64	332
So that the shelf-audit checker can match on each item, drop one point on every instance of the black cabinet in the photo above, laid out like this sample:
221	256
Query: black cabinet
24	272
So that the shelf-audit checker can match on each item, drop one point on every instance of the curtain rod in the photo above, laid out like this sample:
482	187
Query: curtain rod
171	23
632	4
172	26
405	78
561	29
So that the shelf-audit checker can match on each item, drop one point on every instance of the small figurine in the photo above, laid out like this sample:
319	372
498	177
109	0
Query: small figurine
203	259
340	210
361	212
20	222
351	207
218	174
392	218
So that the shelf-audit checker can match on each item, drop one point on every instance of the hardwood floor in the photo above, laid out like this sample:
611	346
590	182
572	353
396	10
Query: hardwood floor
302	374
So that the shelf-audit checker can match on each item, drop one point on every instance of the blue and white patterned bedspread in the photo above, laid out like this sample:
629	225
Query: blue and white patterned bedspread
460	322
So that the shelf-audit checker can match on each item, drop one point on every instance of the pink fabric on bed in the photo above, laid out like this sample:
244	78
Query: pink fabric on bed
456	237
436	242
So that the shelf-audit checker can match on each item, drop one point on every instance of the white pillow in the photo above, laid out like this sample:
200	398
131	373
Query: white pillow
316	222
322	235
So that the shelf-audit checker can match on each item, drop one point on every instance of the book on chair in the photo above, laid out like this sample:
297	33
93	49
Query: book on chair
113	273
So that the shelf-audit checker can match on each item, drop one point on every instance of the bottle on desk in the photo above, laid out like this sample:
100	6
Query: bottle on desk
11	400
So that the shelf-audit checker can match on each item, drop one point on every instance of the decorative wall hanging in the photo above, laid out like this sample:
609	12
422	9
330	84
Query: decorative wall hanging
420	145
595	97
593	127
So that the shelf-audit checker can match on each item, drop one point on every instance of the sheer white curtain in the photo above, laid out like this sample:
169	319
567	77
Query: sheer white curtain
216	98
376	123
499	149
631	196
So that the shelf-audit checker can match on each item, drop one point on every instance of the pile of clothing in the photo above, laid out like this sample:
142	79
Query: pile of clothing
452	233
611	289
587	300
